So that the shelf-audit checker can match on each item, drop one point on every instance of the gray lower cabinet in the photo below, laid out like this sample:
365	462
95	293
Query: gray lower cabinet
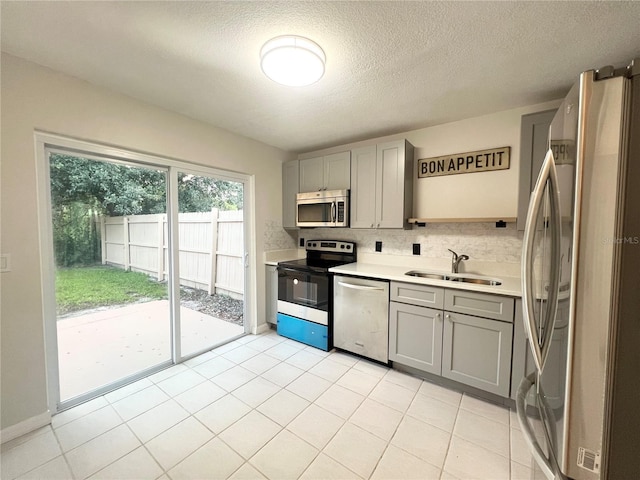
477	352
271	295
415	336
461	335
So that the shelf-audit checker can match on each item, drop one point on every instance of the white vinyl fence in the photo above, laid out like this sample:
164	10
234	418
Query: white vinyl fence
210	246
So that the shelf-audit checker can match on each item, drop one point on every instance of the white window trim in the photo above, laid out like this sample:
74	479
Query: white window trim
49	142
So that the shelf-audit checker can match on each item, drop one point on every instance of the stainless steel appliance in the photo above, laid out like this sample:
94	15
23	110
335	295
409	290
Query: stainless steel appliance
361	316
580	270
329	208
305	292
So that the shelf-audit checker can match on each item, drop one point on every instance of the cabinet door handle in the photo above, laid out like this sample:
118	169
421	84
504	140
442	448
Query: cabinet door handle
438	316
372	225
378	226
448	317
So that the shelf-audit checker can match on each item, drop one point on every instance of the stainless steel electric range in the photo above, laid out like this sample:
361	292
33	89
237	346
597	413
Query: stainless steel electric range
305	292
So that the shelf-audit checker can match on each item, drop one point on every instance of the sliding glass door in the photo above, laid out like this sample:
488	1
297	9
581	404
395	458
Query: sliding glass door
211	261
144	264
109	222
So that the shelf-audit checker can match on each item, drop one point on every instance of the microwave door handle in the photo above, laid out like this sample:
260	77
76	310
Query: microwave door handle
527	432
333	212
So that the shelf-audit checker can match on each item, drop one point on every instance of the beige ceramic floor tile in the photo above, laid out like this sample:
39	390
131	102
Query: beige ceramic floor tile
480	430
250	433
222	413
138	464
56	469
74	434
33	453
155	421
316	426
422	440
468	460
438	392
247	472
284	457
434	412
356	449
283	407
326	468
96	454
376	418
211	461
340	401
392	395
396	463
358	381
180	441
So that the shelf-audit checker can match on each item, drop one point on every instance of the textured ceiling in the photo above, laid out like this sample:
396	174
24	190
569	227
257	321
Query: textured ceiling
391	66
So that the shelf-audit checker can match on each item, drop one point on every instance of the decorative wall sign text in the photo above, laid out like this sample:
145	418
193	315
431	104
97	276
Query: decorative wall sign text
469	162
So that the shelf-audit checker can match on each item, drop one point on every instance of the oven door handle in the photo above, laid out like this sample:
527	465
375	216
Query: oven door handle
358	287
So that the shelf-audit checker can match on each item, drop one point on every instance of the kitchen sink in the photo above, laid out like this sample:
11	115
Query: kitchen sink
454	278
479	281
434	276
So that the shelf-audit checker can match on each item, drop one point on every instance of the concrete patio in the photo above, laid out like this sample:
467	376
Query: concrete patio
100	347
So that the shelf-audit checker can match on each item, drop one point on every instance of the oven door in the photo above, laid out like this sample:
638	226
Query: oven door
304	294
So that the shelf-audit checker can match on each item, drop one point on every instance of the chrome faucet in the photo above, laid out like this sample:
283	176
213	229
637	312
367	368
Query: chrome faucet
455	260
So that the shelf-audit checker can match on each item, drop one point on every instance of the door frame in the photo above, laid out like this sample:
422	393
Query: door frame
46	142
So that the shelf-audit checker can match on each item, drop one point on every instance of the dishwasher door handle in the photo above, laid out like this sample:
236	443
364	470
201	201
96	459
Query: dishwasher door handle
359	287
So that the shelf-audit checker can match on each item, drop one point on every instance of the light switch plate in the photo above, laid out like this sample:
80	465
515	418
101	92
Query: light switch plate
5	262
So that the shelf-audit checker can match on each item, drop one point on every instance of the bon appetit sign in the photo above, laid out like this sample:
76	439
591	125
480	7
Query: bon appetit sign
469	162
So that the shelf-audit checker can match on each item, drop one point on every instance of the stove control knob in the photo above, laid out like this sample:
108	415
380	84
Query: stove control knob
342	246
348	247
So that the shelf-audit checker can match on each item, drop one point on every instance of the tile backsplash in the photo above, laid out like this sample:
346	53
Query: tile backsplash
480	241
277	238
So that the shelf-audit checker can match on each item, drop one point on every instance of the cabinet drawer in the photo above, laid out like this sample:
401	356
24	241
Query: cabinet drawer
423	295
479	304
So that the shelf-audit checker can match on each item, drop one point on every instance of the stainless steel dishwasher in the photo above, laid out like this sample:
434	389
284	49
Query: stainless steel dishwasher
361	316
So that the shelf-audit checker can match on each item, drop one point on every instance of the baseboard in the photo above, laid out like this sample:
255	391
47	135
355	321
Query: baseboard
262	328
24	427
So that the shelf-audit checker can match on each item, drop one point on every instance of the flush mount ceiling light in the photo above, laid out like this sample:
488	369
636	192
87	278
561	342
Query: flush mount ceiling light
293	61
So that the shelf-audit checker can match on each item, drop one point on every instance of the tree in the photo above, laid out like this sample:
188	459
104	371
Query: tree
81	189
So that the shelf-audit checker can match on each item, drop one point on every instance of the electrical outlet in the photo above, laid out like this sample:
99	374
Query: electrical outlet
301	242
416	249
378	246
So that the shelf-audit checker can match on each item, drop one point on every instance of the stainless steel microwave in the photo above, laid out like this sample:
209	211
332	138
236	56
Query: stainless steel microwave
329	208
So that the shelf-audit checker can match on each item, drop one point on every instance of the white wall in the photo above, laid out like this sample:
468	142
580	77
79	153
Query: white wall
471	195
34	97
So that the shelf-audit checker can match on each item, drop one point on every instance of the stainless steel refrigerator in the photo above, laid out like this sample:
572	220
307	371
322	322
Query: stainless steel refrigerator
579	404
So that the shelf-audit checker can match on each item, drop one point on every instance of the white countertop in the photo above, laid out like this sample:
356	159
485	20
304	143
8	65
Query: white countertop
274	256
510	285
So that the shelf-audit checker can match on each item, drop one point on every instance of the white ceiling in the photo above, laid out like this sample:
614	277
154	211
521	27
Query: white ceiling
391	66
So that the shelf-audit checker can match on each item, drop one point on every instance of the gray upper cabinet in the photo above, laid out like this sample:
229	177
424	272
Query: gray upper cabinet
534	139
331	172
290	178
389	167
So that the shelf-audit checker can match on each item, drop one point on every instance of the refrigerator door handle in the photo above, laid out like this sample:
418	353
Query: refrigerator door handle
548	175
527	432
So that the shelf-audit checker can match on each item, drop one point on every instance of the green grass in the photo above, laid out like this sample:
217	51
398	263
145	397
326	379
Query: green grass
81	288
